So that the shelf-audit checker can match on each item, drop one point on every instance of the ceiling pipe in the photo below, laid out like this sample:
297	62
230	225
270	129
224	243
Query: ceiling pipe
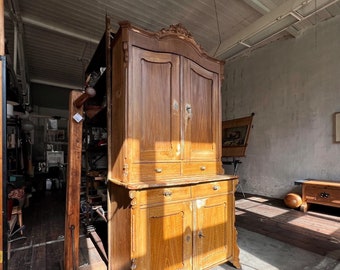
19	49
56	84
58	30
15	49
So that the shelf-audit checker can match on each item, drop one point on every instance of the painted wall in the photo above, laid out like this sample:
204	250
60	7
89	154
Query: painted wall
293	87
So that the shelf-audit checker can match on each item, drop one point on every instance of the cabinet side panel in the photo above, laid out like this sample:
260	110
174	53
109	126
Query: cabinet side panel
118	108
119	227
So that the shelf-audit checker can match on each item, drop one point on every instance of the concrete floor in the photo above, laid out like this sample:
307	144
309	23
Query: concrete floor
258	252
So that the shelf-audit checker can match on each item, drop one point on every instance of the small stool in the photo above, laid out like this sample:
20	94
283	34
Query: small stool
18	211
235	163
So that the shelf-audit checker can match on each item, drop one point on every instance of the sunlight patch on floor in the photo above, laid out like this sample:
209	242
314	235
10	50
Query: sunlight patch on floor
257	207
303	220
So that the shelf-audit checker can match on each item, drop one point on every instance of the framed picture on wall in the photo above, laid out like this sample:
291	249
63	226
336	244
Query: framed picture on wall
235	135
337	127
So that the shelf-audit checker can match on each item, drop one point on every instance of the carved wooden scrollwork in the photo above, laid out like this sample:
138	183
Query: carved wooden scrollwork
126	53
177	29
180	31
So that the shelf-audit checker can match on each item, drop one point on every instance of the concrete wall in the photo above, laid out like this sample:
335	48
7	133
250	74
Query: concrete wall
293	87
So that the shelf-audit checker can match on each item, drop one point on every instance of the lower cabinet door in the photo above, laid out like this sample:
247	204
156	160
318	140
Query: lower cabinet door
163	237
212	235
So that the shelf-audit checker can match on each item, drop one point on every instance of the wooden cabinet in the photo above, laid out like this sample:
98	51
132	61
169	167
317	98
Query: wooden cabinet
169	204
320	192
165	104
181	227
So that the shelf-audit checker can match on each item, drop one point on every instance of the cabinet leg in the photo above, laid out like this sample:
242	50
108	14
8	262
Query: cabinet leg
236	252
236	263
304	207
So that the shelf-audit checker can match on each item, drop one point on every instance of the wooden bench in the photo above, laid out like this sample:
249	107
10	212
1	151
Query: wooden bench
323	192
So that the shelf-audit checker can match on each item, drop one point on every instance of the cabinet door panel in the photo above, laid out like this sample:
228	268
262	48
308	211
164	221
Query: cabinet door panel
201	107
164	237
154	106
213	233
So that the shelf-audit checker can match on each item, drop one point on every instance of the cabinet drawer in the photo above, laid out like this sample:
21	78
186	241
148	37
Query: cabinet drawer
161	195
322	194
200	168
154	171
212	188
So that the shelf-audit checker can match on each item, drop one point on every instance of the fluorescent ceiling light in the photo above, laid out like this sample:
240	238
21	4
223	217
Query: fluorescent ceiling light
314	6
238	47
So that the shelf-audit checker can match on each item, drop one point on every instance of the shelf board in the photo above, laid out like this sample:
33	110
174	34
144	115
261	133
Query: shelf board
60	143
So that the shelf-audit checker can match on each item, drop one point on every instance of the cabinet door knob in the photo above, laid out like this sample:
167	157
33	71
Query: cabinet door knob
158	170
189	110
200	234
324	195
216	187
202	168
167	193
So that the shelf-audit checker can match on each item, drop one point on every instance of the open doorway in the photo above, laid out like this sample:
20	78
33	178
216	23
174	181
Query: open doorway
35	191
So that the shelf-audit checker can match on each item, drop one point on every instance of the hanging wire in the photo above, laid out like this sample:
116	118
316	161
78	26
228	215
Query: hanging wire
218	29
315	24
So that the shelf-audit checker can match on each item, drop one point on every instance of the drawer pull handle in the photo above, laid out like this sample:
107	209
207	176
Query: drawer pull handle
203	168
158	170
324	195
216	187
167	193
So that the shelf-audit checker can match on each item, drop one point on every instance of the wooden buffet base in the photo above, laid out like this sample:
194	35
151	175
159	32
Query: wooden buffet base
187	226
320	192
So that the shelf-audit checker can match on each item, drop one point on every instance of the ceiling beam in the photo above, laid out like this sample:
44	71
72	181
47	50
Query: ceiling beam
257	5
264	9
56	29
266	20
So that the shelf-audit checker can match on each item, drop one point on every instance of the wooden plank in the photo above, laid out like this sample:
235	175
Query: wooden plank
2	127
71	245
289	225
90	258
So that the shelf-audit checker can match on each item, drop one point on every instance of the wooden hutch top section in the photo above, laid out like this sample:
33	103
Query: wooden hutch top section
163	108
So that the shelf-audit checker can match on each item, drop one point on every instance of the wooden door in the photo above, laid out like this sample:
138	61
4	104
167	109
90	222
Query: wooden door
164	237
201	112
213	231
154	106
